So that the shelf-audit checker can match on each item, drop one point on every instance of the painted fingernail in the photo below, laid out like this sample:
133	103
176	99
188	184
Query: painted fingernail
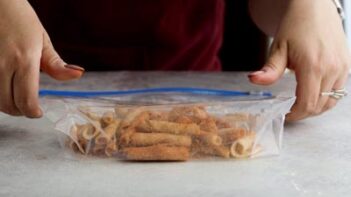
74	67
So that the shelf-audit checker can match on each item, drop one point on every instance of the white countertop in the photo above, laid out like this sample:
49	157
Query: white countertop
315	160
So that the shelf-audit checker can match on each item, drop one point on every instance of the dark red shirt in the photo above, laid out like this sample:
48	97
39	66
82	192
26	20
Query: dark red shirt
135	34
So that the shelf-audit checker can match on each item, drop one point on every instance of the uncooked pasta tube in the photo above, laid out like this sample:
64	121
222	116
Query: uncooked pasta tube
183	120
220	150
89	114
75	146
157	153
211	144
195	113
133	115
169	127
147	139
108	134
132	120
231	134
158	115
124	137
222	124
98	149
164	132
209	125
107	118
209	139
88	132
242	147
127	129
111	148
73	142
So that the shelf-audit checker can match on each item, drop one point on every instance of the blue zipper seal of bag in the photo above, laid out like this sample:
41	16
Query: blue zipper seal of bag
186	90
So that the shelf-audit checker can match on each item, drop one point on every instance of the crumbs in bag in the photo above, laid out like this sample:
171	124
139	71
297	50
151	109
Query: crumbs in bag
157	134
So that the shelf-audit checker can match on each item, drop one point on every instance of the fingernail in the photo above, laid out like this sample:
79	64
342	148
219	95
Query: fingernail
256	73
74	67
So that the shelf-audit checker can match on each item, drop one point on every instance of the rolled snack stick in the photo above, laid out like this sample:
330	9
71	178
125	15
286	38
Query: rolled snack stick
108	134
232	134
168	127
242	147
111	148
147	139
158	152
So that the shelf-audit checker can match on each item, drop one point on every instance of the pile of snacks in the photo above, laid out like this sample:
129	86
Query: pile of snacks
175	133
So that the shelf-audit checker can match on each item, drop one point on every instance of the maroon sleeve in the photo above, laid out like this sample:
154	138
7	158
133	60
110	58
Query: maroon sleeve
135	34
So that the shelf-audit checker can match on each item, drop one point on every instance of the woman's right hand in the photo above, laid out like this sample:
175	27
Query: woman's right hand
25	49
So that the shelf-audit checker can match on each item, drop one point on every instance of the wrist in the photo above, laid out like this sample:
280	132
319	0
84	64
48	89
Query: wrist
313	12
325	7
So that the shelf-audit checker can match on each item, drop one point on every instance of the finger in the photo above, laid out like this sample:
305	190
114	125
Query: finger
26	87
53	65
7	104
307	93
326	86
339	84
274	68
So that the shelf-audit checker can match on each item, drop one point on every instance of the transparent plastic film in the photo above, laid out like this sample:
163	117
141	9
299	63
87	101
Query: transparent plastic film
169	125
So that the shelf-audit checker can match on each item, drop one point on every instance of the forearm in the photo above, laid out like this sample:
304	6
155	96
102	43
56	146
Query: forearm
267	14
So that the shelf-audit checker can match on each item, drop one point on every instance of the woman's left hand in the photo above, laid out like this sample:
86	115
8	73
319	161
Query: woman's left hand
310	41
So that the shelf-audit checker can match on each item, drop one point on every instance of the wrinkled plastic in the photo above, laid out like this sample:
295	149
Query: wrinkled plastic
170	126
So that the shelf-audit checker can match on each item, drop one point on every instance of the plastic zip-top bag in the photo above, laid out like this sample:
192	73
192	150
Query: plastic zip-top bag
169	124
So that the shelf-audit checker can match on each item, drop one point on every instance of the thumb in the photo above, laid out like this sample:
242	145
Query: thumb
53	65
274	67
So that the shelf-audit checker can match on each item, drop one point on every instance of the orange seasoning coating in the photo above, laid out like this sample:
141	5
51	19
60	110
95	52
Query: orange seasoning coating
157	153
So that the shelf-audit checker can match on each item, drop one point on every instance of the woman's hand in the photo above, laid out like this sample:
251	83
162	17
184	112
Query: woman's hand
25	48
309	40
